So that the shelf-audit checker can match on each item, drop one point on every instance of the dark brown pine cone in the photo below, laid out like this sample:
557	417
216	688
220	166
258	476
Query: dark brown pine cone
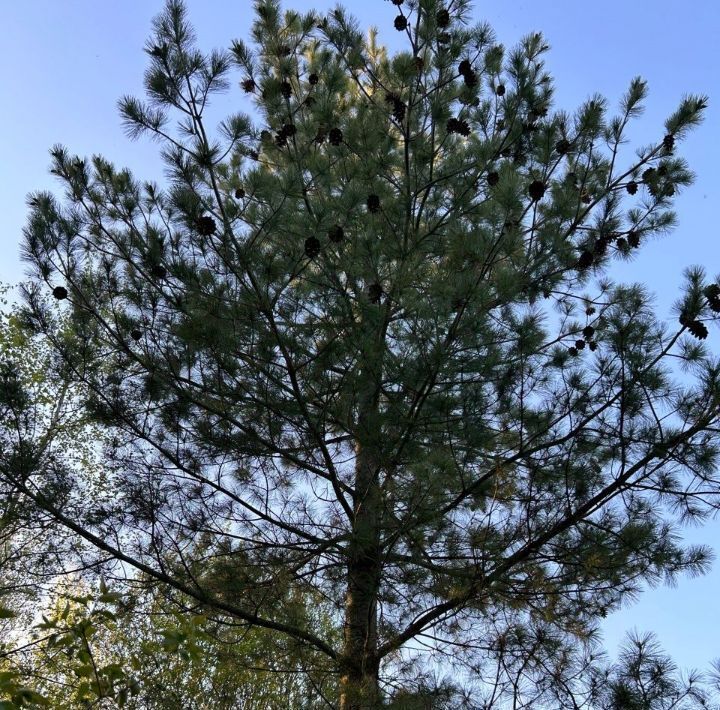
336	234
536	190
373	203
375	292
586	259
442	18
312	247
206	226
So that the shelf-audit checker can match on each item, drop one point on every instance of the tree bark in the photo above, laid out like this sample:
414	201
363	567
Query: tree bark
359	681
359	688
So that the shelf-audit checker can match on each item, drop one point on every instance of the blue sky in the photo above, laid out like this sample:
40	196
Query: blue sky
66	64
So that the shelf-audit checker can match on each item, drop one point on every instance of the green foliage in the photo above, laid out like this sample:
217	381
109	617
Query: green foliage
145	651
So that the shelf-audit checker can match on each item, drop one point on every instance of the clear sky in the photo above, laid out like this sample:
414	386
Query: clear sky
66	64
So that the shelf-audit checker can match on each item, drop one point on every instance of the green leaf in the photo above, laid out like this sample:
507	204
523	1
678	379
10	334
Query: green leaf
110	597
26	696
84	671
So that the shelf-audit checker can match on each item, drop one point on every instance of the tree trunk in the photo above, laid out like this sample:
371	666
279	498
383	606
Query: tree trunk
359	681
359	689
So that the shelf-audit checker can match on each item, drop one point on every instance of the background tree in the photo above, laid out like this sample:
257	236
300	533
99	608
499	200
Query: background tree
107	649
68	641
45	449
324	348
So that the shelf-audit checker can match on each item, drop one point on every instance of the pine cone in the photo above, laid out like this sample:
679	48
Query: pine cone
563	146
313	79
500	89
586	259
455	125
135	334
336	234
373	203
572	351
590	310
336	136
442	18
580	344
312	247
239	193
280	140
400	23
669	142
654	189
493	178
470	78
375	292
158	271
286	89
698	329
60	292
206	226
464	67
463	128
588	331
649	175
600	247
536	190
633	239
632	187
592	345
248	86
398	110
711	292
288	130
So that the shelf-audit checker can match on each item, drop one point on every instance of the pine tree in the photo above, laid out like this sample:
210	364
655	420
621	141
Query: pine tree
364	345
